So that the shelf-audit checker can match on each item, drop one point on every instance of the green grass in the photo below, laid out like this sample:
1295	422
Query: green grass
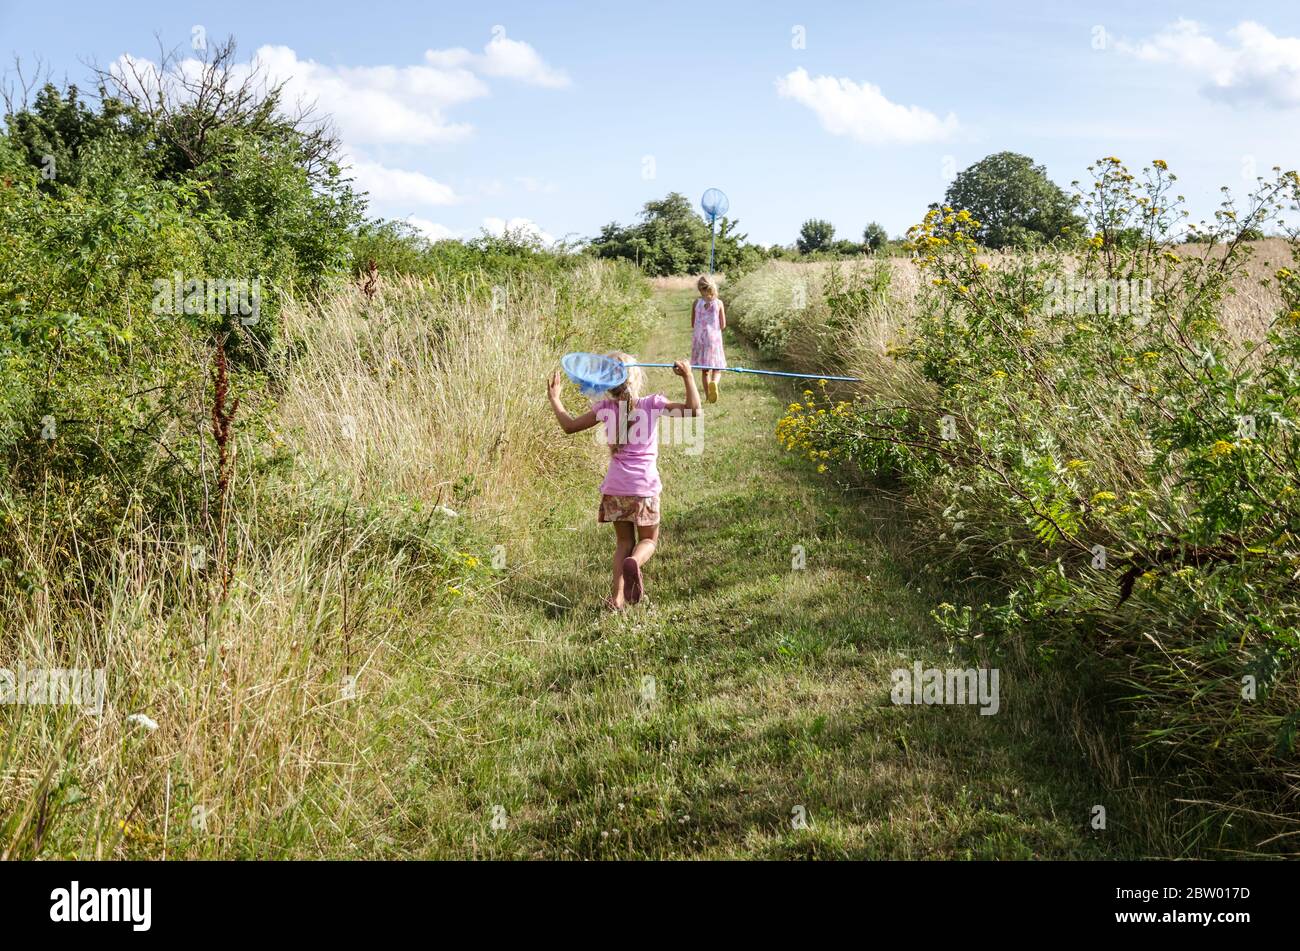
771	685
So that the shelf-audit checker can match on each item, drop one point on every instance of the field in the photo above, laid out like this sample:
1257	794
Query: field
496	711
296	563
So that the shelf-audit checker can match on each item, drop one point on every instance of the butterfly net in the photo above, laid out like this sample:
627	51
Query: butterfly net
593	373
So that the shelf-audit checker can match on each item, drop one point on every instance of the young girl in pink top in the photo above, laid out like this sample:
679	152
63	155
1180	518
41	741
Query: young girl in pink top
630	493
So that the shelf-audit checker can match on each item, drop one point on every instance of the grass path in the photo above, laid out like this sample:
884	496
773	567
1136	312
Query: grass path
747	693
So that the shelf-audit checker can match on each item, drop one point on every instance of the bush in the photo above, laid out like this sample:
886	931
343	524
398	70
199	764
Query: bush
1093	429
146	240
672	238
804	313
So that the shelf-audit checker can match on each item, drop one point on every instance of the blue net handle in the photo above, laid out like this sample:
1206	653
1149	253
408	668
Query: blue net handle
797	376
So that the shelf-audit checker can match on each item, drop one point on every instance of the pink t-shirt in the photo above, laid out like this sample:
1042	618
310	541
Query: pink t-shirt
633	469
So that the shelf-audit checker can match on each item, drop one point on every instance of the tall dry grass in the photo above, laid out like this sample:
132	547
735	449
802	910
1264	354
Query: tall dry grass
403	394
409	434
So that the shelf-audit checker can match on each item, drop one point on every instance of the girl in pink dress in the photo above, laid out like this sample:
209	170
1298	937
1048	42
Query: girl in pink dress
708	318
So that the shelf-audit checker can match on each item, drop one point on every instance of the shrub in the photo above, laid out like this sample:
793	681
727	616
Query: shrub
1090	427
672	238
807	313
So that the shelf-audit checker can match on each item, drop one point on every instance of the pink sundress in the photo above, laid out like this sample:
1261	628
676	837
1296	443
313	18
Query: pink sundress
706	339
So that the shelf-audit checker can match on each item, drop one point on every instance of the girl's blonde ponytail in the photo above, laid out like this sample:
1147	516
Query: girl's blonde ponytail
626	396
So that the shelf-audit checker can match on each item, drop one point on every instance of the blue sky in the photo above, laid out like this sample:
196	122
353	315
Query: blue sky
565	116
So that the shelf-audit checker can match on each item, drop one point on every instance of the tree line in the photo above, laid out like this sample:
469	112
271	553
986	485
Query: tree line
1017	207
1016	203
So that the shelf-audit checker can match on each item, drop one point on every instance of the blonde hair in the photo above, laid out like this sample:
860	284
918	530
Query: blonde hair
707	283
625	394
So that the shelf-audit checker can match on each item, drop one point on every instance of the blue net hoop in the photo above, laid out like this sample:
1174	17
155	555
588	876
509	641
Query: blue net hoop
714	203
594	373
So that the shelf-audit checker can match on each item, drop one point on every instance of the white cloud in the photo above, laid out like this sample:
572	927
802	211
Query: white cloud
431	229
862	112
378	104
502	58
493	226
1255	65
499	226
397	186
368	104
386	104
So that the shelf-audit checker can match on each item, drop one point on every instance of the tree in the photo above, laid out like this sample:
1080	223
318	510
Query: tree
1014	201
218	131
733	254
672	238
874	236
815	235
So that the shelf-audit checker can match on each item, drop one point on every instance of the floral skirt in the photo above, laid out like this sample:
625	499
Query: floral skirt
706	348
638	509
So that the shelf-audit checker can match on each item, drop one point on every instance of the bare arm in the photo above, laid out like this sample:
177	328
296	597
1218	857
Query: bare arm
692	316
692	404
568	422
722	315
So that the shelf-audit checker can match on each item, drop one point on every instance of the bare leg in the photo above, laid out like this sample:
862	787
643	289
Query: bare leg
647	542
633	583
624	541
